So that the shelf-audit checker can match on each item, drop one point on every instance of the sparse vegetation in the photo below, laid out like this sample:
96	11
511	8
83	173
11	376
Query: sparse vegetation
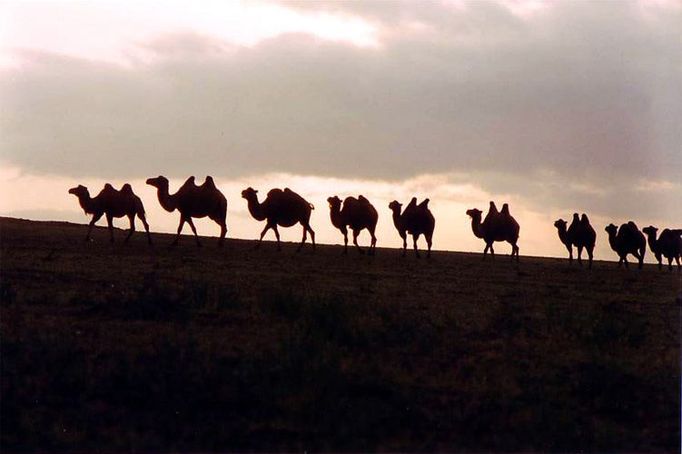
125	348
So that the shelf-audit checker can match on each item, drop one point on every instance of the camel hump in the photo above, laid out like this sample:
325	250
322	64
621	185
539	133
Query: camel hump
424	205
209	183
362	199
108	187
127	189
493	208
505	209
274	192
584	219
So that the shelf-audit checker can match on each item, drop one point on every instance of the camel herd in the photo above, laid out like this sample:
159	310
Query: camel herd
285	208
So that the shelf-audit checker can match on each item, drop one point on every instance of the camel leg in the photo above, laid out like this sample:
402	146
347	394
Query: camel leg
492	251
415	237
312	234
110	225
194	230
428	243
580	253
131	218
95	218
274	229
625	261
679	268
485	250
403	235
570	254
373	244
355	241
344	230
223	232
516	249
670	263
177	236
590	252
143	218
305	236
262	234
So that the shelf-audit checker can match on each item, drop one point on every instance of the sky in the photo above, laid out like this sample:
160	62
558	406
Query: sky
552	106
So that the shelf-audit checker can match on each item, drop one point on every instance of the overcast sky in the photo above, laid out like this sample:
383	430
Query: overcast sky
557	106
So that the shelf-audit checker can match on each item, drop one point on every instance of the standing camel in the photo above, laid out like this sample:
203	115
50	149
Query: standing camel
113	204
627	240
668	245
580	234
193	201
497	227
357	213
415	220
280	207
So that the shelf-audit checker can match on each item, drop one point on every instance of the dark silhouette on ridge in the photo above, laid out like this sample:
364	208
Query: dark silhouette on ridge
580	234
193	201
113	204
415	220
668	245
280	207
497	226
627	240
357	213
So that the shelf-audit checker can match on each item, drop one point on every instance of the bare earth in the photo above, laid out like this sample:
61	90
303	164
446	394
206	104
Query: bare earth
127	347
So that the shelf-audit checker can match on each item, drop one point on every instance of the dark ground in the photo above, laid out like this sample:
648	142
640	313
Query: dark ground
130	348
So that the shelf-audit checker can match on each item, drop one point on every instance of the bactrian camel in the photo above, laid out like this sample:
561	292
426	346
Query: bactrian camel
113	204
280	207
193	201
358	214
580	234
627	240
497	226
668	245
415	220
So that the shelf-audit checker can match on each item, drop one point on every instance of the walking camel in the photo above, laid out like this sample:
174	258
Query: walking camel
668	245
415	220
280	207
580	234
193	201
357	213
113	204
627	240
497	226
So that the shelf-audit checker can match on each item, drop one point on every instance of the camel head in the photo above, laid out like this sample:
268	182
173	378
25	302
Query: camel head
395	206
158	182
560	224
249	193
334	202
475	213
80	191
650	231
611	229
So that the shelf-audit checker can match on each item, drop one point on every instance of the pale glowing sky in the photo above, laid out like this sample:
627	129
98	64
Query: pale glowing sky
554	107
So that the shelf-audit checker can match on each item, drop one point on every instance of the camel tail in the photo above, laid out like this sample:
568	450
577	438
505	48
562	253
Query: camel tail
312	207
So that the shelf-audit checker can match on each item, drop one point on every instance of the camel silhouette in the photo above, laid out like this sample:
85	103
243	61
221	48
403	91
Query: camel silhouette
497	226
357	213
580	234
193	201
415	220
668	245
627	240
280	207
113	204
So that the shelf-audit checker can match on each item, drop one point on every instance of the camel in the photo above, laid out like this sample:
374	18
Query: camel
280	207
497	226
415	220
627	240
580	234
193	201
357	213
113	204
668	245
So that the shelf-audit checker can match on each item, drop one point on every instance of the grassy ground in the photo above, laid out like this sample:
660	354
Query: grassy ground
186	349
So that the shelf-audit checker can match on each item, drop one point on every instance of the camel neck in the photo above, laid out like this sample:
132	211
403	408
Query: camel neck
255	209
563	235
166	200
335	216
653	243
476	227
397	221
86	202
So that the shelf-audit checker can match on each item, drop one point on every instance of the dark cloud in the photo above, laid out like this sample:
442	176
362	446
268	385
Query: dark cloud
590	91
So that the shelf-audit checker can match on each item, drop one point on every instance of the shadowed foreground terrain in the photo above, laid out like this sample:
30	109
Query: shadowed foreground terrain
158	349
